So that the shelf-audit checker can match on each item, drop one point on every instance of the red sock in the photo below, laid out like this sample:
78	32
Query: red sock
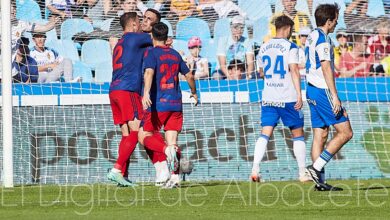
155	143
126	148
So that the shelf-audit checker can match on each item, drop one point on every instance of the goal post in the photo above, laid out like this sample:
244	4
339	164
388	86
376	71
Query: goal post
6	92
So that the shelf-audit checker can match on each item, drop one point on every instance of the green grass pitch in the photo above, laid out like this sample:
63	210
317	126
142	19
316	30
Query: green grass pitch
361	199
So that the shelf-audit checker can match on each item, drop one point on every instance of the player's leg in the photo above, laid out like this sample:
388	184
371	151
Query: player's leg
323	107
269	119
294	119
132	109
172	126
342	136
320	136
121	113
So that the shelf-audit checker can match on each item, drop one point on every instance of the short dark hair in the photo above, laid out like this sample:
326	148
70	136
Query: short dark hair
326	12
236	63
283	21
126	17
22	45
160	31
154	11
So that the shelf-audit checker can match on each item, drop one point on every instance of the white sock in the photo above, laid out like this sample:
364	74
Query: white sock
164	170
115	170
322	160
157	166
299	148
260	147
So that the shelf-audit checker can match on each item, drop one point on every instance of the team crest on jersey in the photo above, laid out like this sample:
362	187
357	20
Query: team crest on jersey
326	50
48	56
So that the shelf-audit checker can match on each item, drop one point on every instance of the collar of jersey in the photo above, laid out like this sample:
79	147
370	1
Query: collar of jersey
164	47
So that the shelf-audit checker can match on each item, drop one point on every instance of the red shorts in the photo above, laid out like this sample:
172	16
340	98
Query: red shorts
153	121
125	106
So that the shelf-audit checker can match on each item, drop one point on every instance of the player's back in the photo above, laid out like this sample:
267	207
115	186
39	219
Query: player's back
127	62
165	91
275	57
318	47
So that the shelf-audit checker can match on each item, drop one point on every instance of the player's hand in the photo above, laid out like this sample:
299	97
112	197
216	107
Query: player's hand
298	104
146	102
336	105
195	97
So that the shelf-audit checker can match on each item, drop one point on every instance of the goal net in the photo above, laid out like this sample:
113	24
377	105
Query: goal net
63	132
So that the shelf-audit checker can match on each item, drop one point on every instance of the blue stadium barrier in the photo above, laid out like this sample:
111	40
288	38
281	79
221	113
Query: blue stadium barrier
349	89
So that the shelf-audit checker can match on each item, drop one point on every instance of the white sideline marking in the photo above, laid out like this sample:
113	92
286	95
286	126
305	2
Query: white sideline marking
84	99
33	100
242	97
15	100
216	97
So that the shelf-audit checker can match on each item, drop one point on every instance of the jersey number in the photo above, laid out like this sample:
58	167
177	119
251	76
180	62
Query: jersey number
168	72
117	55
278	68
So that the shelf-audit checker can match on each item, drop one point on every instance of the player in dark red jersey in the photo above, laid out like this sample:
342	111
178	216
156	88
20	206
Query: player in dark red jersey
125	91
163	99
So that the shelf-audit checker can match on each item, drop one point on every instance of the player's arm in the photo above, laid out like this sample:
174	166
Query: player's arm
293	64
296	78
190	79
330	82
324	50
191	82
148	79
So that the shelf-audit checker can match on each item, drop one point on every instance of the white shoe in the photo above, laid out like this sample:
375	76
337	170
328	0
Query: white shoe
304	177
173	182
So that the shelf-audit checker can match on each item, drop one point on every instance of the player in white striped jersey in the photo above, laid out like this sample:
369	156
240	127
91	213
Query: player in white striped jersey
321	93
282	98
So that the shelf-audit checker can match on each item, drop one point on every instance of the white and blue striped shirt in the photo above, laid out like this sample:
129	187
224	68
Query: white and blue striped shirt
319	47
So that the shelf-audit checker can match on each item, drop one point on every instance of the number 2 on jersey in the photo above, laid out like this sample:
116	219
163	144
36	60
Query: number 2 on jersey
117	55
168	73
278	67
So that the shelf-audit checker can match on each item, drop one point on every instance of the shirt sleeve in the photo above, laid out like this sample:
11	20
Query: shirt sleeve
183	67
149	60
323	48
145	40
293	54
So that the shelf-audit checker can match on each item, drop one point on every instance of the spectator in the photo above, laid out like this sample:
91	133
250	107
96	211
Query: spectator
342	48
224	8
300	19
63	8
19	27
198	65
24	67
96	10
233	47
303	33
356	63
212	10
51	66
379	45
125	6
356	12
236	70
181	9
